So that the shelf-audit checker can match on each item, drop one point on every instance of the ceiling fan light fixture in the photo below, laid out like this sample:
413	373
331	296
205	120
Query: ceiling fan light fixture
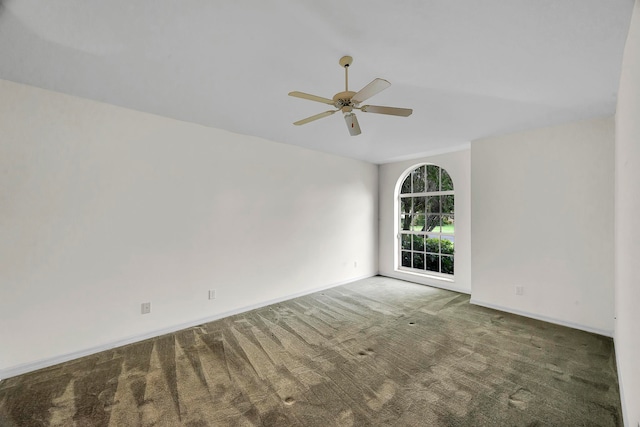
352	124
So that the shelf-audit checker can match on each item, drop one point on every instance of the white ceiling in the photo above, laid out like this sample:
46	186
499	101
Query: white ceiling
468	68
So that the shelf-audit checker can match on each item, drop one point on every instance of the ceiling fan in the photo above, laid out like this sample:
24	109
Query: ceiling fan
348	101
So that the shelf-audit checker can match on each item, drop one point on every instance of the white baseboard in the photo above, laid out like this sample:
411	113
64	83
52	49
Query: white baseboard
45	363
605	332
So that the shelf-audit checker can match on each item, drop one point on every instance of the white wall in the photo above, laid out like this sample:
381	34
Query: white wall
627	247
457	165
542	218
103	208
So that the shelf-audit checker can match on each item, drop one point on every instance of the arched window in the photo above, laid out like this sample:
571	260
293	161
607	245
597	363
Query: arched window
426	221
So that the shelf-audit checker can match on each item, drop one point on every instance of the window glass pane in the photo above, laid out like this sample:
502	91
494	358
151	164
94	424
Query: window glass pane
418	180
418	261
406	185
448	225
433	178
406	259
446	246
406	241
432	262
447	264
432	244
447	204
447	184
433	204
433	222
418	205
418	223
418	242
405	222
405	205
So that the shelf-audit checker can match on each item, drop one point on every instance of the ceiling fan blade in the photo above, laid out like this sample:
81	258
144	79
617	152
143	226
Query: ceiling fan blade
352	124
316	117
377	85
393	111
312	97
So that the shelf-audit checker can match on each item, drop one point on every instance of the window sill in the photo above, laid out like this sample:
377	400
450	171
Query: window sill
427	276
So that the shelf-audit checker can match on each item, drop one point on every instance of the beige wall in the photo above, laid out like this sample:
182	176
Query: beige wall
103	208
542	207
627	337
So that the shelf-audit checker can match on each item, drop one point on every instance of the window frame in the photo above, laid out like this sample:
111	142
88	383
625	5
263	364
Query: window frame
398	215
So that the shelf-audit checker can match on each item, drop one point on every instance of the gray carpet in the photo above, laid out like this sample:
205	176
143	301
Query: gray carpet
377	352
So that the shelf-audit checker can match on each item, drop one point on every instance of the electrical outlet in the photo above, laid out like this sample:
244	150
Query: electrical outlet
355	264
212	294
145	308
519	290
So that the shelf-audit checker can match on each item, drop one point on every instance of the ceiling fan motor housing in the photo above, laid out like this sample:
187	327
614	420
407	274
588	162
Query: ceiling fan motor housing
343	99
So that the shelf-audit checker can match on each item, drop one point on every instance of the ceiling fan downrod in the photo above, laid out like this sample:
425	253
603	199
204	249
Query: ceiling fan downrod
345	62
